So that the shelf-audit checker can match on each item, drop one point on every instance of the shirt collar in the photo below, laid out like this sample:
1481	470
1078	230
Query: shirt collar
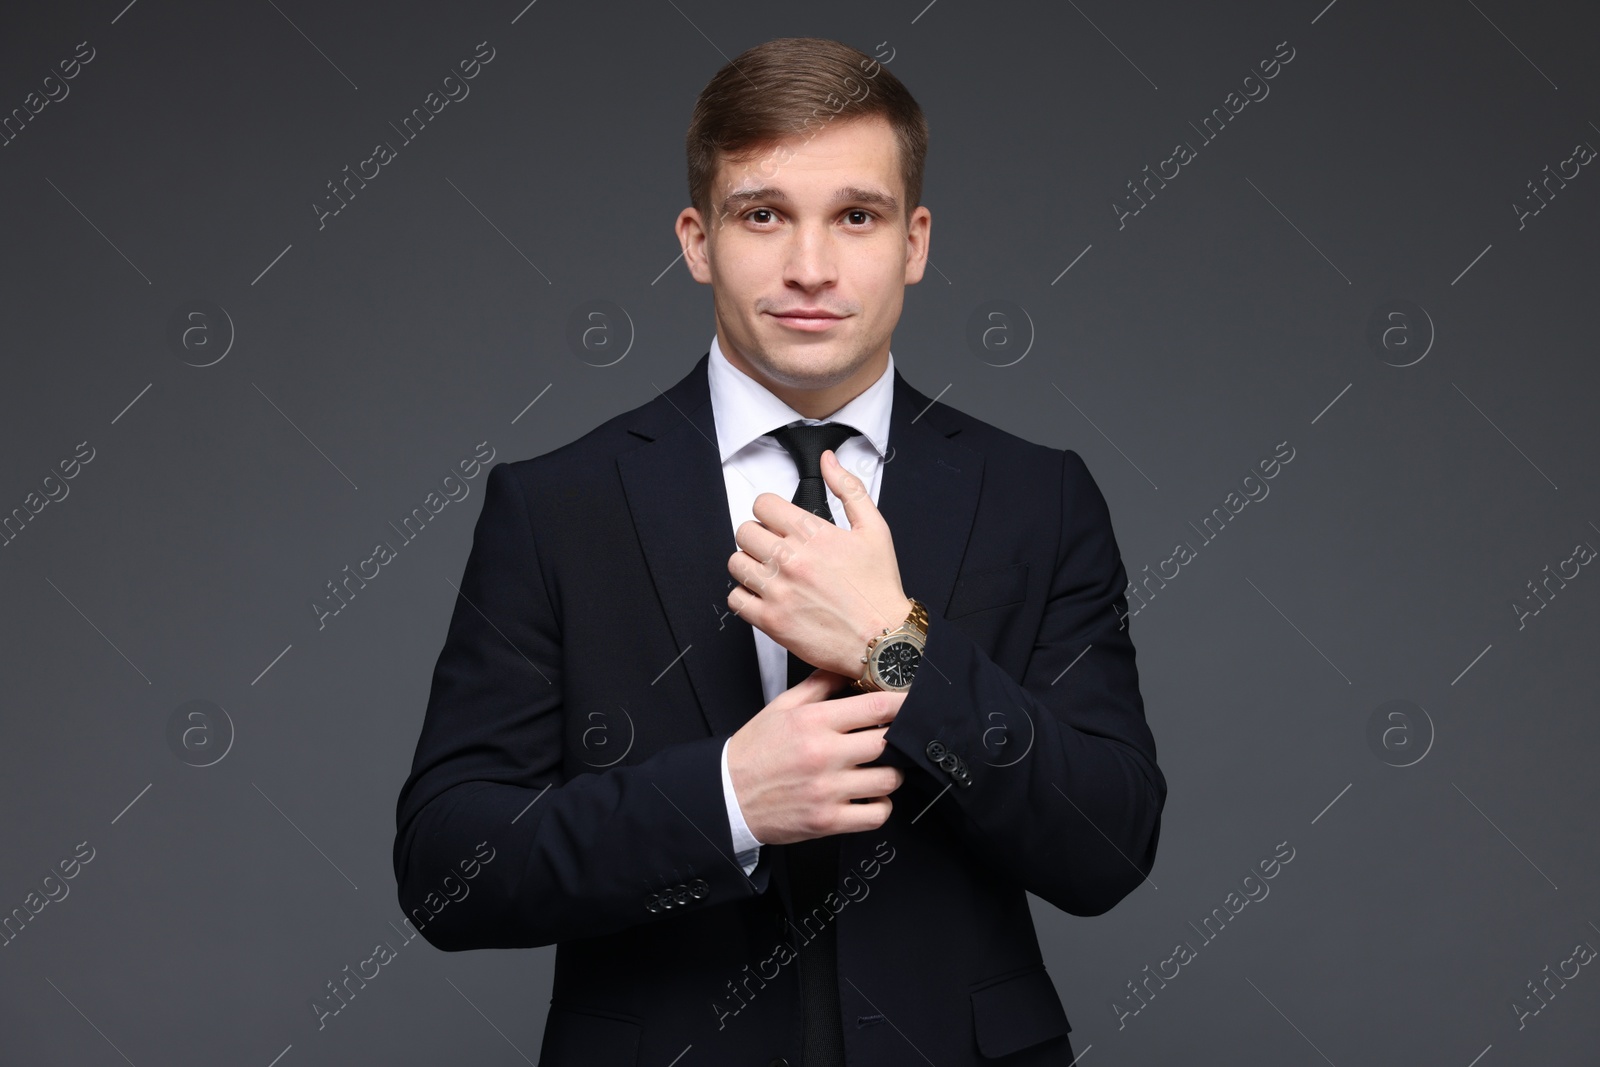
745	410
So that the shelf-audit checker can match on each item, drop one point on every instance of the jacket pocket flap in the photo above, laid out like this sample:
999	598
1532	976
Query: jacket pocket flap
574	1035
1016	1012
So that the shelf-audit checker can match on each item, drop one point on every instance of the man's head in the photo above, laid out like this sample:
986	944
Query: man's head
805	172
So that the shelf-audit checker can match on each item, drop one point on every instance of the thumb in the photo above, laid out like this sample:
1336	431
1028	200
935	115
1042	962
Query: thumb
851	491
812	689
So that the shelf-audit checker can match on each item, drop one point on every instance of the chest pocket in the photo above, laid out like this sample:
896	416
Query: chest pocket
992	588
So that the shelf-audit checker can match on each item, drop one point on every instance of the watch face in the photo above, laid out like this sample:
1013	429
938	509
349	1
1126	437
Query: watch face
895	663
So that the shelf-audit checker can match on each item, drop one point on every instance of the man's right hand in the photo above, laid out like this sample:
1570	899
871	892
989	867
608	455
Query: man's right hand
795	764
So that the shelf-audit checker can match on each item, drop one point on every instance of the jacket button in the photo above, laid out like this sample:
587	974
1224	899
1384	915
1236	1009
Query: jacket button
935	750
780	1062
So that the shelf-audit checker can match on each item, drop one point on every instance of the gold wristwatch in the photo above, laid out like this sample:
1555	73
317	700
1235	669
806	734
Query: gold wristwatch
892	657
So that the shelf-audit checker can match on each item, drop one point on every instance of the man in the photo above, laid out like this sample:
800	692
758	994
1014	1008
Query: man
742	859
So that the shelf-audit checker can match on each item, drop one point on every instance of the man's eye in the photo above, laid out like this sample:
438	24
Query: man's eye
758	211
866	215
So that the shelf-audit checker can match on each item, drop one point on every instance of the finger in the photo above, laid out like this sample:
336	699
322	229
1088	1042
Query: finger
737	568
748	605
870	782
863	710
812	689
862	747
851	491
785	518
862	815
836	683
750	572
760	544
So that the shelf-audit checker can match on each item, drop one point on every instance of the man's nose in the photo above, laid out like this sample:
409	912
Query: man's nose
812	257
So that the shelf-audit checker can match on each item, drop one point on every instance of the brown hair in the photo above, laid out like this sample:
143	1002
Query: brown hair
785	87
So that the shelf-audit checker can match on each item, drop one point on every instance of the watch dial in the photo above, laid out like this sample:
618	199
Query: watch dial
897	664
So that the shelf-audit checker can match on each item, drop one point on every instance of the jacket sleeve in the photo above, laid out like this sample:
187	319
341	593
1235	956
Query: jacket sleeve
1051	779
568	857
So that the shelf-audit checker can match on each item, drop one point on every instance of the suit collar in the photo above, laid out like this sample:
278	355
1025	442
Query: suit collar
677	498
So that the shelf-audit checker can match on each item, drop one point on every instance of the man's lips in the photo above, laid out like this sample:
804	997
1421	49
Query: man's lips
810	320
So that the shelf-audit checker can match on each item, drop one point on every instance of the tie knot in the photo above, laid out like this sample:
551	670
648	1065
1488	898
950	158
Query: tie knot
806	443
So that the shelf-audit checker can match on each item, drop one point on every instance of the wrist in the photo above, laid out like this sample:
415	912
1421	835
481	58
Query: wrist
893	652
881	623
874	627
905	613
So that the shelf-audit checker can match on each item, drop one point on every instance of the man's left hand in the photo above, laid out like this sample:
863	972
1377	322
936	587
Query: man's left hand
817	589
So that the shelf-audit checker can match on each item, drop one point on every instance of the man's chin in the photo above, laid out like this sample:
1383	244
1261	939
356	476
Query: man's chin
814	366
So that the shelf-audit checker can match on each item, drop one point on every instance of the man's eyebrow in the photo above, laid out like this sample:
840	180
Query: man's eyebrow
850	193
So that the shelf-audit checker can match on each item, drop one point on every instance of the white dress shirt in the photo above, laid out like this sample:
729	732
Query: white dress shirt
752	464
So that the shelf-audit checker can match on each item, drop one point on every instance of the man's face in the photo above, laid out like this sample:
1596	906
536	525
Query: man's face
808	251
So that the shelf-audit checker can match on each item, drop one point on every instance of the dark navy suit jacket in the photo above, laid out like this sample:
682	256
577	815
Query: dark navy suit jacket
592	671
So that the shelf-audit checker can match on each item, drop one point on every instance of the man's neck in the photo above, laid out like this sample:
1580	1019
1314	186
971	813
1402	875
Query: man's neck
813	403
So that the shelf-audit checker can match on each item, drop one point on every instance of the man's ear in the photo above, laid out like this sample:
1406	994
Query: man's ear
918	234
696	243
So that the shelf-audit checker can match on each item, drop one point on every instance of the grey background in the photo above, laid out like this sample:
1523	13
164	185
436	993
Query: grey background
1230	315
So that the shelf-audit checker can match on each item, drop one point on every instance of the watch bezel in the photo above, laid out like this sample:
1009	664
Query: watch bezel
878	650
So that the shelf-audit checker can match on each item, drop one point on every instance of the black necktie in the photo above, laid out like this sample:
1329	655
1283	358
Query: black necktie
813	864
805	445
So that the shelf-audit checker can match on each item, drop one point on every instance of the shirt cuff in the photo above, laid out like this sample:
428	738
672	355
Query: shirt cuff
746	849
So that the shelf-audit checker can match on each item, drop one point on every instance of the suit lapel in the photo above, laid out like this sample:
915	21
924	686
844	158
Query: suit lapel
677	497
